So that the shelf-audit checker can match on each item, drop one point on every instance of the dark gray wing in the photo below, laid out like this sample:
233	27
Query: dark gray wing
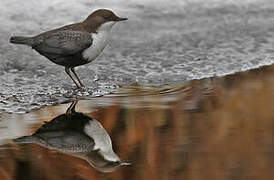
65	122
67	141
63	43
59	123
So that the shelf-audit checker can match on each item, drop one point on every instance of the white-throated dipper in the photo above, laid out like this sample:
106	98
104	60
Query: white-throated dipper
75	44
79	135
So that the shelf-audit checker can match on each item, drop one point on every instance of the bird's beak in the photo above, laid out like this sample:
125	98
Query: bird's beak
121	19
125	164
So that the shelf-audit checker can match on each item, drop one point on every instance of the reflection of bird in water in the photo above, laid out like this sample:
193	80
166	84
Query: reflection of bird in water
79	135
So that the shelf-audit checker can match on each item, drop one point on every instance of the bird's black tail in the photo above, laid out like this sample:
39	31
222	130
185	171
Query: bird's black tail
21	40
25	139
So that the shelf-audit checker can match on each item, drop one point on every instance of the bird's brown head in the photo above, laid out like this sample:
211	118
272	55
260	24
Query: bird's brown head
100	17
107	15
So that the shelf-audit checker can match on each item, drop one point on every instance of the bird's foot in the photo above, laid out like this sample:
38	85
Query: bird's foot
79	88
76	87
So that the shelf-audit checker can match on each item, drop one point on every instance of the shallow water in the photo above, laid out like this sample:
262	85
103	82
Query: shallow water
162	42
216	128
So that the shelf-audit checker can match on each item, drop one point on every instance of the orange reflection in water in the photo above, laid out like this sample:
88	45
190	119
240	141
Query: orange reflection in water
218	128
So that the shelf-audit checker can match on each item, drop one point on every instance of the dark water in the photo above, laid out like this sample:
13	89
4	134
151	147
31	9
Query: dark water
162	42
217	128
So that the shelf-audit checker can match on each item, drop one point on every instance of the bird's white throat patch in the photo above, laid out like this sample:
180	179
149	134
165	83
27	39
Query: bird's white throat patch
100	40
102	141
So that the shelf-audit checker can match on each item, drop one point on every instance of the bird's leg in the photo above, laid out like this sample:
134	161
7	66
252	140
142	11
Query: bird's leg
71	108
68	72
72	69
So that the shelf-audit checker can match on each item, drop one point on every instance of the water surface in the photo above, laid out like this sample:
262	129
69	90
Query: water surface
215	128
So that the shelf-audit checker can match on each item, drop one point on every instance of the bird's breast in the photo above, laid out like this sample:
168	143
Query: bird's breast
102	141
100	40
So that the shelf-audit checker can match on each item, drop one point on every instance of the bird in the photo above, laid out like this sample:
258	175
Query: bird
74	44
78	135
